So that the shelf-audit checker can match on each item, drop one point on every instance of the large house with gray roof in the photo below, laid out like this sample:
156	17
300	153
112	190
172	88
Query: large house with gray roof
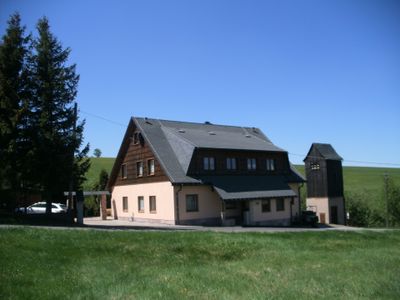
200	173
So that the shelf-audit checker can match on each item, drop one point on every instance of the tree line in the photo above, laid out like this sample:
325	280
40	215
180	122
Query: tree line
41	142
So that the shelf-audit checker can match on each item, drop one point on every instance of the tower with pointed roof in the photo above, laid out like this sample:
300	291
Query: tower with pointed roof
324	173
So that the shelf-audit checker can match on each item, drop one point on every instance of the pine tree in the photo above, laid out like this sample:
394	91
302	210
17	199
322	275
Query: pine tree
56	145
14	95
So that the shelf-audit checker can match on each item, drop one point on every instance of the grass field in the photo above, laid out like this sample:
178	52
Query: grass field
87	264
97	164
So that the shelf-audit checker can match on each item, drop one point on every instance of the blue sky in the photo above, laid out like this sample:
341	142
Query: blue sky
302	71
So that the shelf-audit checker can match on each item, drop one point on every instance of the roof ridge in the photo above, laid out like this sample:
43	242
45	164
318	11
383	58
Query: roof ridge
194	123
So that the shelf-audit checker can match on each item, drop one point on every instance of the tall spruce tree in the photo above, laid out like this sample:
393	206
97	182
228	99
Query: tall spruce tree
14	100
56	145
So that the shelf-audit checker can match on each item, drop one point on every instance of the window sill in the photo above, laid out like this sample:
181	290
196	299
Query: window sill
153	211
192	211
141	211
125	210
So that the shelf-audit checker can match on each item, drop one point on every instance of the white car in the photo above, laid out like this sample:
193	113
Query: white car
40	208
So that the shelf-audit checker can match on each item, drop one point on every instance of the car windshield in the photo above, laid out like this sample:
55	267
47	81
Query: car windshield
39	205
63	206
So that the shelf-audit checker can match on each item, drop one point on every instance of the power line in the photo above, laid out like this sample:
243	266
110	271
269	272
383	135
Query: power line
352	161
295	154
102	118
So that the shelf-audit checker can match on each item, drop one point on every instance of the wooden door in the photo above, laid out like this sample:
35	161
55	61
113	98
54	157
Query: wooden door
334	215
322	219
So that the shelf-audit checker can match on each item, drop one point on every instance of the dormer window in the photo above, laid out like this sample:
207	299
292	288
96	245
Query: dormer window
209	163
124	171
270	163
231	163
251	164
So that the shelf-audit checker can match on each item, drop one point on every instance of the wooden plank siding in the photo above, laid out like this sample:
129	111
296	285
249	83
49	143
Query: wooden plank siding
135	153
220	156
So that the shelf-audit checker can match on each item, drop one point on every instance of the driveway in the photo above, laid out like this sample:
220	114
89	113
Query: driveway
97	222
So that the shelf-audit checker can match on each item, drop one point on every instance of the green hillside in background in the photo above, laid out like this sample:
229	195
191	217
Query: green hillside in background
356	179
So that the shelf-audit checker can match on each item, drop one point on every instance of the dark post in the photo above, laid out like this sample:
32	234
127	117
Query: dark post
385	176
70	199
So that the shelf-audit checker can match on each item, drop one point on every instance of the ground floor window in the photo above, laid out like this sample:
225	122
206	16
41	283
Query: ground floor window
230	205
280	204
152	204
141	204
192	203
125	204
266	205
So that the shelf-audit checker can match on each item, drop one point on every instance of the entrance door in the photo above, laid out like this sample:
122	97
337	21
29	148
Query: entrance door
334	215
245	213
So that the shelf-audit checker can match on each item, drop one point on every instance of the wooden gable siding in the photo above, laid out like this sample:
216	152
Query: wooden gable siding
220	156
325	182
135	153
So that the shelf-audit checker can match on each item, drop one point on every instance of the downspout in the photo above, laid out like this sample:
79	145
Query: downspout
177	221
299	188
291	210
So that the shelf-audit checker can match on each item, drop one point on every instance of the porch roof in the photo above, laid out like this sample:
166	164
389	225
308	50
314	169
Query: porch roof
249	187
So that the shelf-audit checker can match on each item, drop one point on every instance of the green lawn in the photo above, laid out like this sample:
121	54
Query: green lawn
86	264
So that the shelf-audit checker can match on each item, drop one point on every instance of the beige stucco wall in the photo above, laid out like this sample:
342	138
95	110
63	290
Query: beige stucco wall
256	214
164	193
210	204
322	205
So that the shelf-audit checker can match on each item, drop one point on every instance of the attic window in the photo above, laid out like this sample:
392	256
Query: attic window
315	166
212	133
248	135
181	131
136	138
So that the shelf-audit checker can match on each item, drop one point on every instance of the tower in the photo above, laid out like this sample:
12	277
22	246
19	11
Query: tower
324	175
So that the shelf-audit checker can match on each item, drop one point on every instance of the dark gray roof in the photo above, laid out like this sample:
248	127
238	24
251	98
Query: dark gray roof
173	142
249	187
326	151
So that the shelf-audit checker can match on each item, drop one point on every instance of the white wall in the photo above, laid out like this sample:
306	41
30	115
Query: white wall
257	216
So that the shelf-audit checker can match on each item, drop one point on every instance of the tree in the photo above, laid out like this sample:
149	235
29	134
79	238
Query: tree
14	95
97	152
92	204
56	144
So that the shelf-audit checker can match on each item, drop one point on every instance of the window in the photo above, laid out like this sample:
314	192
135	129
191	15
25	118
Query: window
251	164
152	204
150	167
139	169
231	163
140	204
192	203
280	204
266	205
314	166
270	165
230	205
136	138
209	163
125	204
124	173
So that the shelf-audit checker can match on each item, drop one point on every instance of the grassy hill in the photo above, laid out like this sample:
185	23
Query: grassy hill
356	179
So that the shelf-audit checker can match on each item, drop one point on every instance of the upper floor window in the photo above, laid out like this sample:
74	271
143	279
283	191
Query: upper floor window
231	163
270	164
208	163
124	171
139	169
251	164
315	166
150	167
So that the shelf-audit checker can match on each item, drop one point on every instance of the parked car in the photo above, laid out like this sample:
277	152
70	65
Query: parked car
40	208
309	217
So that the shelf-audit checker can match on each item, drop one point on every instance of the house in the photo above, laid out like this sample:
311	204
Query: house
191	173
324	175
